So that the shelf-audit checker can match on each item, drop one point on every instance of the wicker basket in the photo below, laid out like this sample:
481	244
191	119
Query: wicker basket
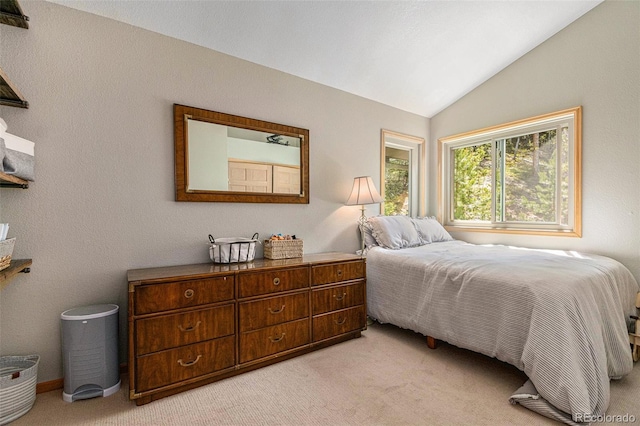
18	378
6	249
282	249
232	250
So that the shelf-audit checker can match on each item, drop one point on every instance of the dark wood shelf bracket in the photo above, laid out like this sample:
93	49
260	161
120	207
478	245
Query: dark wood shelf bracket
11	14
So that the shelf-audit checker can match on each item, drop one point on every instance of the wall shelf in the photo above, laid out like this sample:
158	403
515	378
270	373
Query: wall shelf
11	14
9	93
9	181
16	266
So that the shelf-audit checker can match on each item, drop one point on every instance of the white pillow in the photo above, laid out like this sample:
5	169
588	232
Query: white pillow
394	232
430	230
369	239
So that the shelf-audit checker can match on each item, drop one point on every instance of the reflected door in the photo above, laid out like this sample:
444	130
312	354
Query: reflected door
249	177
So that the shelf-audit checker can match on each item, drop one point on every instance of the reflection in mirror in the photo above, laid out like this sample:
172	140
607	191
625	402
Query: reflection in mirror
402	170
221	157
224	158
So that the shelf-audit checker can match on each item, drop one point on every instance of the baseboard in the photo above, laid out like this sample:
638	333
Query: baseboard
50	386
56	384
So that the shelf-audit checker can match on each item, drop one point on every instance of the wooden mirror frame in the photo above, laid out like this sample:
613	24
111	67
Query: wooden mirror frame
181	113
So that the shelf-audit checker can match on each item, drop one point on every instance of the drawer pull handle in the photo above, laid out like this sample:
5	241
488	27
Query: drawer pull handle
276	281
276	311
340	297
339	272
189	293
188	364
340	321
276	339
190	328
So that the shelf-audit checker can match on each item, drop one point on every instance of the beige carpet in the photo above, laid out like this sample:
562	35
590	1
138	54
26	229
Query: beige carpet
387	377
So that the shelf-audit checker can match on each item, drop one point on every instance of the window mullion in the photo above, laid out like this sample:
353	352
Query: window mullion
558	175
495	154
503	201
451	182
497	194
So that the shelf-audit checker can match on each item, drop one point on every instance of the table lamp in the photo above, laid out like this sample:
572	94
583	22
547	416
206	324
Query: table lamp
363	192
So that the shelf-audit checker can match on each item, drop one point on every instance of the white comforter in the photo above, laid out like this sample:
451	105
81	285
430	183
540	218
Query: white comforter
558	316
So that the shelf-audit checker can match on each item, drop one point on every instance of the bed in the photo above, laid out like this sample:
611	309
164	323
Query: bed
560	317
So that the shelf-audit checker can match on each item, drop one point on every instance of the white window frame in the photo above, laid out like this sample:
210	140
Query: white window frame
572	118
417	169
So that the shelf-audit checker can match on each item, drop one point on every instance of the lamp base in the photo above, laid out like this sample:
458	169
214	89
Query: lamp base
361	222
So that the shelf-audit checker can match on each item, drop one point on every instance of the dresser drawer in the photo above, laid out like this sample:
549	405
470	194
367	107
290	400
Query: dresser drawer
175	365
335	323
182	294
271	340
253	284
336	272
340	297
273	310
170	331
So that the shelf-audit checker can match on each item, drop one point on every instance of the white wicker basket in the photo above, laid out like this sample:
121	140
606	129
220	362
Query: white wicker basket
232	250
18	378
6	250
283	249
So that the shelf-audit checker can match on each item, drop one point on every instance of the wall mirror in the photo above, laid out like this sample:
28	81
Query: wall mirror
228	158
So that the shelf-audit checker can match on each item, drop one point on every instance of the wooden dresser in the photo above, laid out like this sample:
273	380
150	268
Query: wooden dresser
194	324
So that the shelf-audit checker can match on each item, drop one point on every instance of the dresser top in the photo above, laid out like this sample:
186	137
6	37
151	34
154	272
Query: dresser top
208	269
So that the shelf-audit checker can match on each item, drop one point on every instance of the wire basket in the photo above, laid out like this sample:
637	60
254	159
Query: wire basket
283	249
18	378
233	250
6	250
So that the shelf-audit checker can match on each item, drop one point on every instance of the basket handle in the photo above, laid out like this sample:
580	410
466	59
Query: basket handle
213	240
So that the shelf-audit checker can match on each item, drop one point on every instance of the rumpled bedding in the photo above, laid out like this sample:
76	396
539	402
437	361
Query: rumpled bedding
560	317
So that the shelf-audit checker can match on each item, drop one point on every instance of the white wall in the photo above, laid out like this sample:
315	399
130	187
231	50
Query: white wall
594	62
101	97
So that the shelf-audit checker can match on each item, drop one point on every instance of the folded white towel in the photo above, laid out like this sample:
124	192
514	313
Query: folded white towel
16	143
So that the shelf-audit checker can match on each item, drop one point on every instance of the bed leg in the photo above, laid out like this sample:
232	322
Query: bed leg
432	343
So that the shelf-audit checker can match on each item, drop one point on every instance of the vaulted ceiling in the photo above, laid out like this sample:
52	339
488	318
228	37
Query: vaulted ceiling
418	56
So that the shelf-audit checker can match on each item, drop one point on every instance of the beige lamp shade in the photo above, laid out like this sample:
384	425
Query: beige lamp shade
363	192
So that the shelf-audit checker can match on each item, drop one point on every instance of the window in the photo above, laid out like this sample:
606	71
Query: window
520	177
402	171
